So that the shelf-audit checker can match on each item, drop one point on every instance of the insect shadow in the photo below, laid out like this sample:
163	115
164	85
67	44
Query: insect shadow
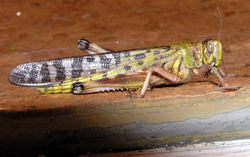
190	82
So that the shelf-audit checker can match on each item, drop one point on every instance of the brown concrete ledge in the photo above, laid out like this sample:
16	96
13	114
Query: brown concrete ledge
129	124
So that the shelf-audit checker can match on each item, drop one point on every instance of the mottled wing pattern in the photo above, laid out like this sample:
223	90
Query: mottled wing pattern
45	73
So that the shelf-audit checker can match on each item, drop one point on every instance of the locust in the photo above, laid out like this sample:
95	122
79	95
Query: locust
135	69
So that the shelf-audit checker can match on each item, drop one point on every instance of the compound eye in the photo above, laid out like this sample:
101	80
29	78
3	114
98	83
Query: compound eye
210	47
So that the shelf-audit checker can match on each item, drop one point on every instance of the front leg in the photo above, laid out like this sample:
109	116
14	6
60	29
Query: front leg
214	70
225	86
225	74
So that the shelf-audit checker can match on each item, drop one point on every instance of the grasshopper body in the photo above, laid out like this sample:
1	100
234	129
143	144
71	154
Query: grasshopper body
129	69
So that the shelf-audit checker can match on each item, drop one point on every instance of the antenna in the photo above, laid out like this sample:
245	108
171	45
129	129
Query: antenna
219	38
220	22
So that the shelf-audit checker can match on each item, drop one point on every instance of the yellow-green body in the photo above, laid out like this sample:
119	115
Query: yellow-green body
180	59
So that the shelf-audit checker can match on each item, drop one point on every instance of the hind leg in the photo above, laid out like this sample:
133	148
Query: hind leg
91	48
